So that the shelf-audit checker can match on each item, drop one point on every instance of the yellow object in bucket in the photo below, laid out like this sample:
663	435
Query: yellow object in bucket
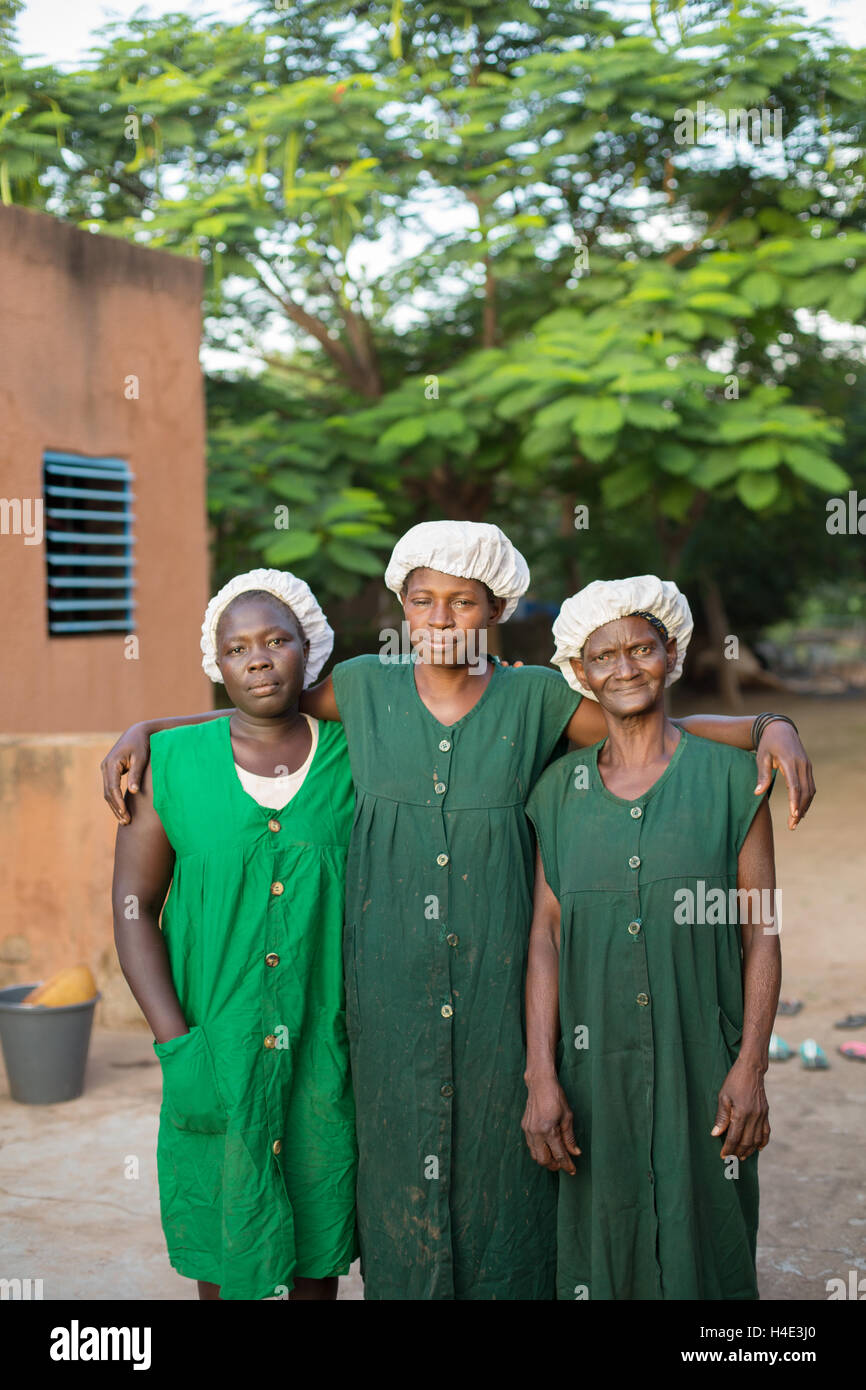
75	985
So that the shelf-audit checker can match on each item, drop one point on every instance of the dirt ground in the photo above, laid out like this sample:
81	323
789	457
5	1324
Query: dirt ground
78	1193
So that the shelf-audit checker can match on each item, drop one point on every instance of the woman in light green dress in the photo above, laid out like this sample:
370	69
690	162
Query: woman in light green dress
243	985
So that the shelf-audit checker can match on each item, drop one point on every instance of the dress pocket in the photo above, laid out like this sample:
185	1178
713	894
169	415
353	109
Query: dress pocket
191	1097
731	1034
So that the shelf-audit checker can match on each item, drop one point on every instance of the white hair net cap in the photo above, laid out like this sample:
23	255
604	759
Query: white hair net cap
466	549
293	591
608	599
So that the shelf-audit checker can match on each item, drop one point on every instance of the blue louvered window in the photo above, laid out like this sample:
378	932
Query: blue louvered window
89	544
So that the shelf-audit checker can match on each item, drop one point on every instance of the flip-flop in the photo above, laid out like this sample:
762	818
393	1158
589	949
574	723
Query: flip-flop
855	1050
813	1057
789	1006
852	1021
779	1049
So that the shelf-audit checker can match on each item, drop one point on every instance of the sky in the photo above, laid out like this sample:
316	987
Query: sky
60	30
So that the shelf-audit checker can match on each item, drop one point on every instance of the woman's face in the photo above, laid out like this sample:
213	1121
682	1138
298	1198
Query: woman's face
447	617
625	664
261	655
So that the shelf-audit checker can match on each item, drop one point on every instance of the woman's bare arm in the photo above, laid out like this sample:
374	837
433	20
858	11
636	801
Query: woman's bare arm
320	701
742	1104
143	864
131	754
548	1123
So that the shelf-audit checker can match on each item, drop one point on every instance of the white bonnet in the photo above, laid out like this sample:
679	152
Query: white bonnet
293	591
467	549
604	601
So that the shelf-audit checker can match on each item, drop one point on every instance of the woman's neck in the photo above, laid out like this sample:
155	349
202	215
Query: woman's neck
448	682
639	740
268	729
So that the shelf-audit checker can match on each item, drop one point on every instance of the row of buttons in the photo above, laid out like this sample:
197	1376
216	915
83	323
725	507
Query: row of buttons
273	959
442	859
634	861
635	926
440	788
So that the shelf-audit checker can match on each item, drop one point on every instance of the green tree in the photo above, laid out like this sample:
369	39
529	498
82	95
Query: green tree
586	300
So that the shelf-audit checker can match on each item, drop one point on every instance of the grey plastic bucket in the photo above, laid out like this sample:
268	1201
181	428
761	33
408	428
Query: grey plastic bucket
45	1048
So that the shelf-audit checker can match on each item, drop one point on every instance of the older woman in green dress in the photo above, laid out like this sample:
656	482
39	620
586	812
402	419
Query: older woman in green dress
657	1023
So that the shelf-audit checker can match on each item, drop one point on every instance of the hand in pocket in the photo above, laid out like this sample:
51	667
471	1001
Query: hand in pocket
190	1095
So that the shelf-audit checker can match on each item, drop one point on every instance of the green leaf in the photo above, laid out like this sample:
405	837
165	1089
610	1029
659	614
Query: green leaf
626	484
737	426
719	303
650	416
686	324
354	558
545	443
292	486
633	383
597	415
404	433
291	546
675	458
559	412
520	402
741	232
597	447
815	468
443	422
760	456
761	288
758	490
650	294
707	277
718	466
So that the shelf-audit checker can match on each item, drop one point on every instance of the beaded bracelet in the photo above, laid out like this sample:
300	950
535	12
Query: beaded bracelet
761	722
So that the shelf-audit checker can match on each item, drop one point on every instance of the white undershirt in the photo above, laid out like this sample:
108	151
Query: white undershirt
276	792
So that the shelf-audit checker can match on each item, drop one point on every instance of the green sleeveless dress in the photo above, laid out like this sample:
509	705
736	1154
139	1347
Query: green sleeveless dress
651	1012
256	1154
439	906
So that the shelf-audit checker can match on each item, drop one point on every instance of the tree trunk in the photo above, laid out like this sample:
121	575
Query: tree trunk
719	628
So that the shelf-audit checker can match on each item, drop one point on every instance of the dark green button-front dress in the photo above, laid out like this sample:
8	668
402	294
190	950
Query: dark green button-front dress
256	1154
439	905
651	1011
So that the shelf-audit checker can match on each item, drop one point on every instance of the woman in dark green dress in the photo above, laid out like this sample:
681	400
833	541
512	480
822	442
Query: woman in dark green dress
638	968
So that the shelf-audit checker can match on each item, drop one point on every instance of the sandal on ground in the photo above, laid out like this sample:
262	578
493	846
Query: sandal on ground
855	1050
813	1057
779	1049
789	1006
852	1021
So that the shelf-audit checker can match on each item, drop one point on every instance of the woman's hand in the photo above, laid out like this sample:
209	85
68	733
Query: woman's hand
130	754
548	1124
780	747
743	1111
